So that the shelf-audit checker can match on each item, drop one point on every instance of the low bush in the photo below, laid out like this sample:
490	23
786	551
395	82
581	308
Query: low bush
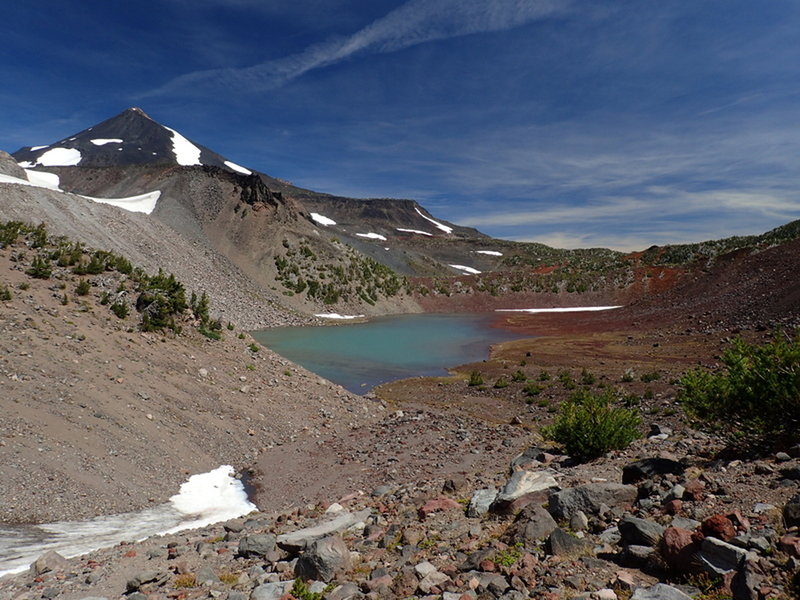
588	425
475	378
754	397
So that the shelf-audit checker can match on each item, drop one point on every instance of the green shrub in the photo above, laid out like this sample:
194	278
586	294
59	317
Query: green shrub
254	347
83	288
5	293
40	268
519	376
501	382
588	425
754	397
475	378
648	377
532	389
544	376
587	377
121	309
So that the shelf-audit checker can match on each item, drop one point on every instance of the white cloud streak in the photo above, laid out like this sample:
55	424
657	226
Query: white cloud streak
415	22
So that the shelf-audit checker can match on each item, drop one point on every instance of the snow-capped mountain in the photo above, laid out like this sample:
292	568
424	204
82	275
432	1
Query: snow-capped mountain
130	138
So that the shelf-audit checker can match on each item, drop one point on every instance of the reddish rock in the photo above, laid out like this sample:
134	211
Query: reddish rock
740	522
673	507
790	544
718	526
487	565
677	548
436	505
695	490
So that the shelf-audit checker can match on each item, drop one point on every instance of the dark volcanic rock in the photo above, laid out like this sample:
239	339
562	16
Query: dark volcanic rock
649	467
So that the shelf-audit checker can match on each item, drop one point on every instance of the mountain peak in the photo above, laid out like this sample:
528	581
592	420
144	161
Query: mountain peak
130	138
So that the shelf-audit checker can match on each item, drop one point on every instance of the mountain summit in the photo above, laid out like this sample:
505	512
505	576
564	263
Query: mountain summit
130	138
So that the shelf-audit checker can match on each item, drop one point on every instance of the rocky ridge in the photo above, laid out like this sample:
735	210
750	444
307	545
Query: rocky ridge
660	520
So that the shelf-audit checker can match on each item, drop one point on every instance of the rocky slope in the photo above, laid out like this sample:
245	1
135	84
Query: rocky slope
100	417
661	520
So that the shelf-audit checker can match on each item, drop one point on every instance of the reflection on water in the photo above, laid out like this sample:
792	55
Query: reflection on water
362	355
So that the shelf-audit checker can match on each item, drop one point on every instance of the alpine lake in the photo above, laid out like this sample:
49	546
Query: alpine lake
360	356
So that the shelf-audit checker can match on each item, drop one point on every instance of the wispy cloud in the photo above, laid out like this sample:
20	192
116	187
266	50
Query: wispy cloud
415	22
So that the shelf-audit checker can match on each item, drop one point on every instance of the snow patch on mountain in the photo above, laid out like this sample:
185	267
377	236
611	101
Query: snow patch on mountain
143	203
186	153
469	270
489	252
104	141
237	168
35	148
557	310
42	179
60	157
414	231
372	236
322	219
441	226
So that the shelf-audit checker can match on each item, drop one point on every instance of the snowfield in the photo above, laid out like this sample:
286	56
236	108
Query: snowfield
41	179
372	236
322	219
469	270
489	252
414	231
238	168
143	203
557	310
104	141
338	316
441	226
186	153
60	157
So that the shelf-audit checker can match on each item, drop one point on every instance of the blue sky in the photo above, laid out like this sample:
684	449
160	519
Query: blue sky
574	123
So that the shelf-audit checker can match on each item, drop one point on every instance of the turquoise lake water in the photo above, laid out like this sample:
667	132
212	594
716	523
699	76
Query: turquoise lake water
360	356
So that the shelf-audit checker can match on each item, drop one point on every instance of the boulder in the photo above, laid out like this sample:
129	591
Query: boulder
791	512
271	591
561	543
532	525
323	559
481	501
531	484
590	498
660	591
259	544
432	580
678	548
718	557
647	468
303	538
640	532
718	526
49	561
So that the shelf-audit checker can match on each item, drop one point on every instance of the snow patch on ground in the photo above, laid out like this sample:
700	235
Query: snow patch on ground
322	219
204	499
372	236
557	310
489	252
42	179
35	148
186	153
143	203
238	168
26	164
415	231
444	228
104	141
338	316
469	270
60	157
